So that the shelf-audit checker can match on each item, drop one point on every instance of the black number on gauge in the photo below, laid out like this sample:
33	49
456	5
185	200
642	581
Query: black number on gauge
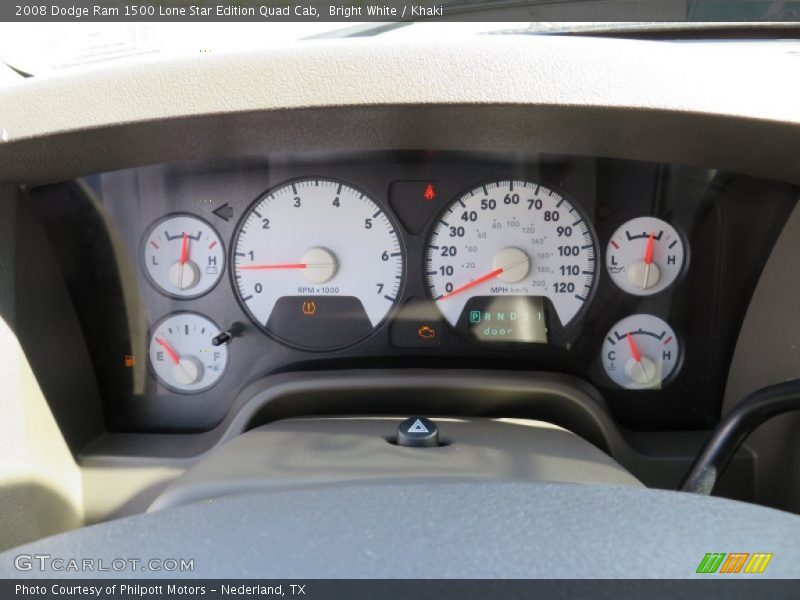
509	259
328	269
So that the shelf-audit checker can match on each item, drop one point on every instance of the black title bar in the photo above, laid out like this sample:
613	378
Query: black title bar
395	10
715	586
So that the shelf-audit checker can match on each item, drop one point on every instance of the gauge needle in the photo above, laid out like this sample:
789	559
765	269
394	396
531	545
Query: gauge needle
184	256
472	284
173	356
184	248
277	266
648	259
637	356
285	266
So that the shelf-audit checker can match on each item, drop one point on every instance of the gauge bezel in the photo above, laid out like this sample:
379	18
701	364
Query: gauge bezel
687	251
679	337
143	258
384	206
151	368
567	328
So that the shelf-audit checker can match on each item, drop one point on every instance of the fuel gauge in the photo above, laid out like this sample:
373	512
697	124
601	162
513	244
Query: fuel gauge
645	256
182	354
641	352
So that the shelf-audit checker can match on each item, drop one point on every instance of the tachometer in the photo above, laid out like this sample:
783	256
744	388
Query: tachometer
317	264
511	259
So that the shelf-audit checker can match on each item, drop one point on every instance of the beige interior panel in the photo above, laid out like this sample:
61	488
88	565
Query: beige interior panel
40	484
768	352
721	105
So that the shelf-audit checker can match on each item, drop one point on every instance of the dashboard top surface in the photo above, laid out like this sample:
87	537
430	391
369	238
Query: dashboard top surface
636	100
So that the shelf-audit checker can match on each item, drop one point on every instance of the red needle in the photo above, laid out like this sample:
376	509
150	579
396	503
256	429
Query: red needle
172	354
472	284
634	348
184	249
648	250
263	267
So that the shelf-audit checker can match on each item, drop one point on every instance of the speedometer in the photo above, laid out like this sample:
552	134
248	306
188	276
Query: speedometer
510	261
317	264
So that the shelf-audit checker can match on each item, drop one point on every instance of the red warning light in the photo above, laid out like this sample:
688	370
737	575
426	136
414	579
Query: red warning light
429	193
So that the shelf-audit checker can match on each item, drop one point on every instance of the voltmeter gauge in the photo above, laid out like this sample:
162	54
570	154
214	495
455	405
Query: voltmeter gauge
645	256
641	352
183	256
182	356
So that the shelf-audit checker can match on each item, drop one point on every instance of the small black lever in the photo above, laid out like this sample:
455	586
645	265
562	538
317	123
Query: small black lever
226	337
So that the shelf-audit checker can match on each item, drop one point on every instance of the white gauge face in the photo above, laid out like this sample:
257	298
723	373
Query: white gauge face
181	353
645	256
317	264
641	352
184	256
510	239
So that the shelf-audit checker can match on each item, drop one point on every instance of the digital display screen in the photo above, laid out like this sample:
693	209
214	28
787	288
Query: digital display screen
505	319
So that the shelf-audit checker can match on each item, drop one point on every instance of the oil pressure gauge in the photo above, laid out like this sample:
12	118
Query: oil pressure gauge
645	256
641	352
183	256
182	355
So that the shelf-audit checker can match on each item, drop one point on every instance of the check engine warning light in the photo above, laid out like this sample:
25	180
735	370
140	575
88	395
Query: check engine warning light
309	307
430	193
130	361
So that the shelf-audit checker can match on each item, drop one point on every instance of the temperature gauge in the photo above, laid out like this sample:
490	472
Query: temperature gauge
645	256
183	256
641	352
182	355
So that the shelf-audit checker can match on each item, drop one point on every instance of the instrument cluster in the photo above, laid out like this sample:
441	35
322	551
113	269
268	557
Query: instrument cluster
319	265
582	266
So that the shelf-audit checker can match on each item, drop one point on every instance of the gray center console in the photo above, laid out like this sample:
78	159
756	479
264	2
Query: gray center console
311	451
